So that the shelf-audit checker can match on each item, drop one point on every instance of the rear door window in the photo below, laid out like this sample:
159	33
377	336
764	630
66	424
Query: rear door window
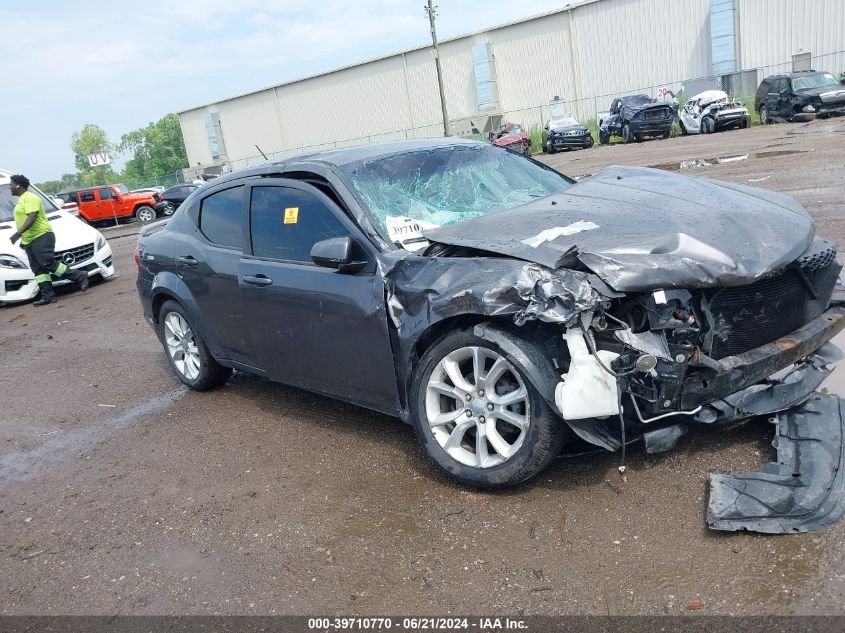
285	223
86	196
222	216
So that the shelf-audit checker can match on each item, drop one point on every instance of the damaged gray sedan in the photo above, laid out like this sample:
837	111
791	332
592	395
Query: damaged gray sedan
501	308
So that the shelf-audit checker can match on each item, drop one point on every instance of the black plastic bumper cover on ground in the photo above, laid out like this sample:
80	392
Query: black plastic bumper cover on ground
804	491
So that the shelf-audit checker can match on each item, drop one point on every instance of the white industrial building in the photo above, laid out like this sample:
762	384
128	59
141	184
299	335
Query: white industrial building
574	59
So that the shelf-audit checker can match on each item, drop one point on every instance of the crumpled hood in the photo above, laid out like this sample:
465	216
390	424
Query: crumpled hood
817	92
630	110
643	229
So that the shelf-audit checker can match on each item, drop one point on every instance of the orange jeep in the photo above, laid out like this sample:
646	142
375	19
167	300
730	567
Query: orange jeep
107	202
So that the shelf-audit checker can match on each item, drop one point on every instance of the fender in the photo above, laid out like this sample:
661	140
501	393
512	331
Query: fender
528	354
169	284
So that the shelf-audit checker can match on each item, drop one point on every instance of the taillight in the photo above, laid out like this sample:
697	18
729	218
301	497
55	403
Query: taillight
137	255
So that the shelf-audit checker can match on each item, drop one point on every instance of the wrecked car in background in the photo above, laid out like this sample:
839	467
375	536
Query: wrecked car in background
512	136
501	307
564	132
799	96
635	118
712	111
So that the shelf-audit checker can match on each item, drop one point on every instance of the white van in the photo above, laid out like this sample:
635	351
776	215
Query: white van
77	245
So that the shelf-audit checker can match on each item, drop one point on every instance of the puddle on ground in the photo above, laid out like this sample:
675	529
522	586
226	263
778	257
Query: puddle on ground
718	160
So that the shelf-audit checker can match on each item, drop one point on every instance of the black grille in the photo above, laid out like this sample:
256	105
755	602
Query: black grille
821	256
746	317
11	286
80	254
655	115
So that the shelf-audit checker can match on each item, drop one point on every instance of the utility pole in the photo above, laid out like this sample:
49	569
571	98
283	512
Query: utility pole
431	11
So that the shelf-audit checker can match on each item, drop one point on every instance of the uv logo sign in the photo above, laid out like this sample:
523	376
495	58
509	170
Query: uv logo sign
96	160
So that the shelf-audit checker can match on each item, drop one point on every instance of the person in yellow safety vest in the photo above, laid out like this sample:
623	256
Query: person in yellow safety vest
39	242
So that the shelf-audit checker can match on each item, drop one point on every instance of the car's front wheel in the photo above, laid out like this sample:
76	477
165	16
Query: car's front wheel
478	415
145	214
627	136
186	350
604	137
764	115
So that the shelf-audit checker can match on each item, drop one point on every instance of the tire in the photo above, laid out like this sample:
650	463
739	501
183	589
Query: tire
667	134
604	137
627	137
525	439
550	149
708	125
684	131
764	115
169	210
145	214
186	350
526	149
589	144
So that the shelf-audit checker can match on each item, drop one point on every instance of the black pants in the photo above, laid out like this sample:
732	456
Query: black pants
41	253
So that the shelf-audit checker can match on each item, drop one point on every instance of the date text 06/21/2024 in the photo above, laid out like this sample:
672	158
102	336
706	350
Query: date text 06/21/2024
415	624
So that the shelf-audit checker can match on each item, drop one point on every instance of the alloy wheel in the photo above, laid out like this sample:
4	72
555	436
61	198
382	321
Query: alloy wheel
181	345
477	407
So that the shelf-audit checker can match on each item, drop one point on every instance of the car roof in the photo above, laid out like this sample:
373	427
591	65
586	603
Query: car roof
347	155
799	73
710	95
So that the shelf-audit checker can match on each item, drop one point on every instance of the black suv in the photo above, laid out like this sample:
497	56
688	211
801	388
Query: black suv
176	195
636	117
799	96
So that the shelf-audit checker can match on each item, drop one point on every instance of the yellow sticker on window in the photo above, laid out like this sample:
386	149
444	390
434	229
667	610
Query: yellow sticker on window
291	215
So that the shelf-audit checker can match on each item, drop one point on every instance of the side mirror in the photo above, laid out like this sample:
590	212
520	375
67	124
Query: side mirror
338	253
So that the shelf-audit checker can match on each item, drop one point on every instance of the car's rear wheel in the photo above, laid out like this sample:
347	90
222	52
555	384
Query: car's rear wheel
170	209
145	214
478	415
627	136
186	350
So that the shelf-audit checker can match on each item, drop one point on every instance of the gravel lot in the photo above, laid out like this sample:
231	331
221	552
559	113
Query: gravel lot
123	493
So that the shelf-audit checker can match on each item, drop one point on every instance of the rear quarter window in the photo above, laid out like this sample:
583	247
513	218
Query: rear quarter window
221	217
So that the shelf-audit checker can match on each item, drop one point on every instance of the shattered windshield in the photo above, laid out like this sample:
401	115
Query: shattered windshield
814	81
445	185
563	121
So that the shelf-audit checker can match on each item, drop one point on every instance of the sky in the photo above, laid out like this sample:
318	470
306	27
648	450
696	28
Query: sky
122	65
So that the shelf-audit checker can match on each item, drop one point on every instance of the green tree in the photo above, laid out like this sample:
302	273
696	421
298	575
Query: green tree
157	151
92	139
67	181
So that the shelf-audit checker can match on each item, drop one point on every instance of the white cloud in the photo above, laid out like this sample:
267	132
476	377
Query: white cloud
131	63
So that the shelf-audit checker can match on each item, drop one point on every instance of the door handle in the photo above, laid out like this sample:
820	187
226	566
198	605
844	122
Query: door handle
187	260
258	280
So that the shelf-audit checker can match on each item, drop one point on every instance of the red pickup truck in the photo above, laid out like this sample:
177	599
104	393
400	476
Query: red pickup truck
107	202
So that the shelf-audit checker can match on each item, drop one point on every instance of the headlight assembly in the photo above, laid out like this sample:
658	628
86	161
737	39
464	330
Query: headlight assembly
101	241
10	261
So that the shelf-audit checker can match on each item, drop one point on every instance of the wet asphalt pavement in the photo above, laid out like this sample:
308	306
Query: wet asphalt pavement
121	492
